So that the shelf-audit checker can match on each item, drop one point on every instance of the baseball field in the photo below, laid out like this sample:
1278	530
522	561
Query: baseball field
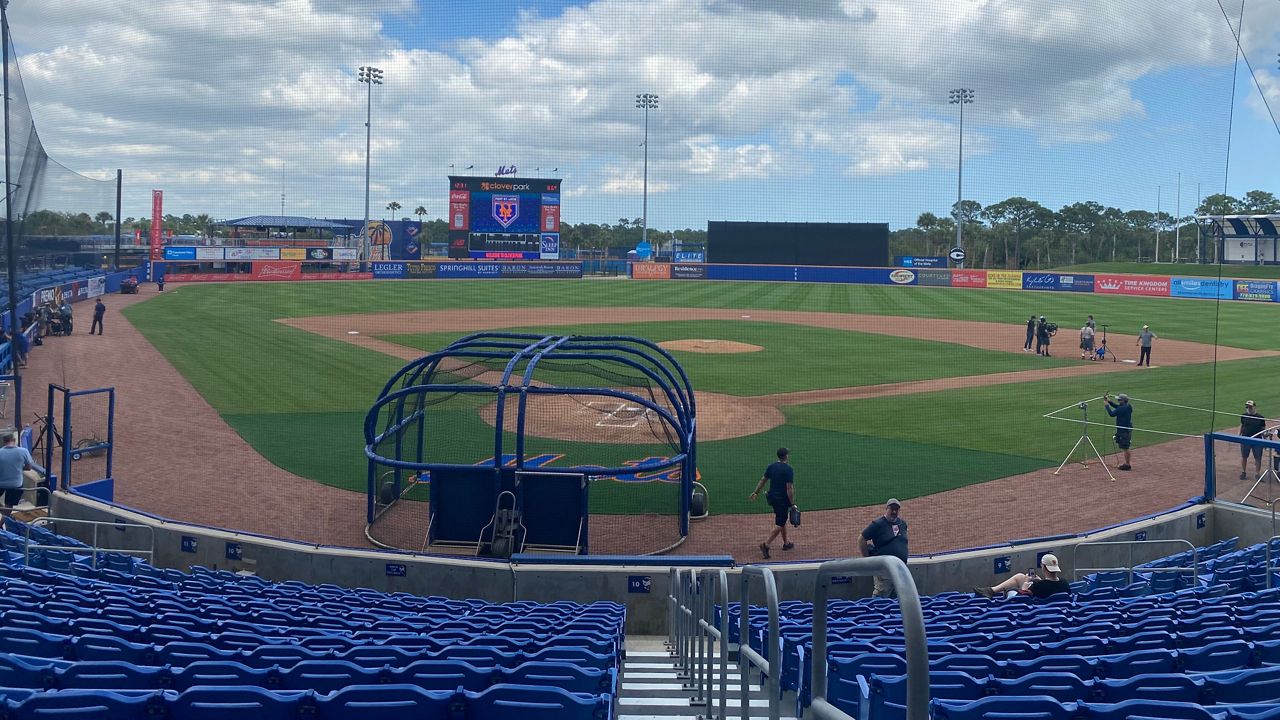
879	391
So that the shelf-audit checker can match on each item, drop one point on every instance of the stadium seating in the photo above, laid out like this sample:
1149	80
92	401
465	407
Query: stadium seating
112	637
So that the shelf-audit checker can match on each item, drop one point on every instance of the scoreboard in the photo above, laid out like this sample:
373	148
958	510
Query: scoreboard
504	218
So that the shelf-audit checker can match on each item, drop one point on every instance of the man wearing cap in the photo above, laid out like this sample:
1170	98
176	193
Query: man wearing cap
781	497
1252	424
1144	340
1042	585
1086	342
1031	333
1122	411
886	535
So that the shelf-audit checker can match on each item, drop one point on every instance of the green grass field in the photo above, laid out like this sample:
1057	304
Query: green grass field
281	388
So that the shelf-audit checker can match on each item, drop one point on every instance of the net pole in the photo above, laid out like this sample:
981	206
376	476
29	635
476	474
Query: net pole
119	183
11	251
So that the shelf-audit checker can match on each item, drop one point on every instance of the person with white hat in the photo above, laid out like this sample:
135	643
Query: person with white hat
1045	584
1122	411
1144	342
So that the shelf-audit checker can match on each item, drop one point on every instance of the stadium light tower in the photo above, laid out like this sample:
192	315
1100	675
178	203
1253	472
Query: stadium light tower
646	102
370	76
961	97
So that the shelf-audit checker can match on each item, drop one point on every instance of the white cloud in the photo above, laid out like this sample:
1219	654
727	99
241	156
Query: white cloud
228	101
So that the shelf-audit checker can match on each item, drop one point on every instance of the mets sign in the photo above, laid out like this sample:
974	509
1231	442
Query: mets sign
506	208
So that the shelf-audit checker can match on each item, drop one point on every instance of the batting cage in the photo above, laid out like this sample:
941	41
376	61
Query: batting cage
507	442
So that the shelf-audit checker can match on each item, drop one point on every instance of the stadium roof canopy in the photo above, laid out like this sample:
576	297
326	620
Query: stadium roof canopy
287	222
1243	225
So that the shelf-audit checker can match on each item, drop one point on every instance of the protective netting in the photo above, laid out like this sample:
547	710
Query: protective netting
61	217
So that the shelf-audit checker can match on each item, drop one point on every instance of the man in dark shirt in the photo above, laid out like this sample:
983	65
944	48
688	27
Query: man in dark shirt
781	497
886	535
1122	411
99	311
1045	584
1252	424
1031	333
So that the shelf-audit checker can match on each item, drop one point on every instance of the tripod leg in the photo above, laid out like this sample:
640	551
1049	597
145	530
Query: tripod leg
1075	447
1104	462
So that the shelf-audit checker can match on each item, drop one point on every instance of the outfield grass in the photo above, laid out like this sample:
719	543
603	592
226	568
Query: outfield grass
794	358
300	399
1261	272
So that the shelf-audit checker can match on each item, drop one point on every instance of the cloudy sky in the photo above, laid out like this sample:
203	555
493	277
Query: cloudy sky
821	110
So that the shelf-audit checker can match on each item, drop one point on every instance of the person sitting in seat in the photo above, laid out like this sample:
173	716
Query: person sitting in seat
1042	585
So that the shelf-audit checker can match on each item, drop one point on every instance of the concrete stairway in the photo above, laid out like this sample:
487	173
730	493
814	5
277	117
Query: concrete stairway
650	689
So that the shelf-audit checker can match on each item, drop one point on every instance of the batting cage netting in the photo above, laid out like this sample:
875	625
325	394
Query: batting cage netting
502	417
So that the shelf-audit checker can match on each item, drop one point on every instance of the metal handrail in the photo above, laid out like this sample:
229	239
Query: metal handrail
95	548
713	583
672	583
912	629
747	656
685	620
1195	576
1269	565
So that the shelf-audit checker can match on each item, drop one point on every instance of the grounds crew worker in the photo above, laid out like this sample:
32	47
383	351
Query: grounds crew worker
1122	411
781	497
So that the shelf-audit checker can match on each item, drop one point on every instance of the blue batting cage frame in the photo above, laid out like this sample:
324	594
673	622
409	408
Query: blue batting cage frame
394	411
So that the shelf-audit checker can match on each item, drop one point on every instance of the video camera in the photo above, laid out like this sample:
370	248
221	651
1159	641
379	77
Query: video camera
1051	328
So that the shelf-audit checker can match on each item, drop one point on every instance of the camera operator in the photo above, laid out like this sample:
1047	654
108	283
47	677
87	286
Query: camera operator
1122	411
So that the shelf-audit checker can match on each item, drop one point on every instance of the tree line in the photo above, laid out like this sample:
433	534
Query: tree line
1014	233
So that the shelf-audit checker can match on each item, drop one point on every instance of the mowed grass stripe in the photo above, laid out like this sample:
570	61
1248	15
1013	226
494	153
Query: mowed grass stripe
794	357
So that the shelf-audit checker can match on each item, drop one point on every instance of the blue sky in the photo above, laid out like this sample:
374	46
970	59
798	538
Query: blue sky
817	110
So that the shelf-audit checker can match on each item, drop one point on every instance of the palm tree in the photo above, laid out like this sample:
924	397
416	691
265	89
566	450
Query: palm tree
393	206
103	218
421	212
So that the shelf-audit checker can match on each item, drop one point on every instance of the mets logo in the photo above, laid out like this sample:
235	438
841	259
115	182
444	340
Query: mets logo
506	208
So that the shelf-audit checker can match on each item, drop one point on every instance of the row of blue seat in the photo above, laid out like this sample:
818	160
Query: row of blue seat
314	675
358	702
1046	708
1245	687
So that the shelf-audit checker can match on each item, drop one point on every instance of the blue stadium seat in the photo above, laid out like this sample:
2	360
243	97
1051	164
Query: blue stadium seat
1166	687
1063	687
1261	685
385	702
235	703
974	665
1226	655
1086	645
89	705
892	691
565	676
325	676
223	672
1146	710
527	702
997	707
23	641
110	675
16	672
94	647
1139	662
1078	665
1151	640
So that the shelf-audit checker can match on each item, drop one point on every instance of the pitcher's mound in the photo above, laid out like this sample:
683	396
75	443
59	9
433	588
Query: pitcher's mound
710	346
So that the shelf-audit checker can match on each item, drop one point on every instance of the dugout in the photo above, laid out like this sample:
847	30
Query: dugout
798	243
511	442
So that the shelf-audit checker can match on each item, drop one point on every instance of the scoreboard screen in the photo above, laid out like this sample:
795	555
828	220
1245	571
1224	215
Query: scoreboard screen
504	218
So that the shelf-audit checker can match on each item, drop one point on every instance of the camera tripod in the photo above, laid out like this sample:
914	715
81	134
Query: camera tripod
1085	439
1110	350
1266	476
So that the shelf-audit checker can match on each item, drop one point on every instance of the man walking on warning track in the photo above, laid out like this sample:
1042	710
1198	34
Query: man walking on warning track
781	497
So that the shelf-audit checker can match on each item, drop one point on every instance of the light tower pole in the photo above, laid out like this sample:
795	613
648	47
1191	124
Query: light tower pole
646	102
370	76
961	97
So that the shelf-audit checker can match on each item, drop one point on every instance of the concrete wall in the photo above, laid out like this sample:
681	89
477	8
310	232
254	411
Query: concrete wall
178	545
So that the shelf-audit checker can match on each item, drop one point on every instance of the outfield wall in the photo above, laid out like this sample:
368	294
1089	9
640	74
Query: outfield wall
1100	283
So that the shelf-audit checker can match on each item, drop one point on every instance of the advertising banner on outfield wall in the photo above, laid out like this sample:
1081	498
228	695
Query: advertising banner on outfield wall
1004	279
179	253
420	270
969	278
279	270
1197	287
1260	290
935	278
860	276
1075	283
650	271
210	253
1039	281
542	270
920	261
685	271
97	286
388	270
1131	285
